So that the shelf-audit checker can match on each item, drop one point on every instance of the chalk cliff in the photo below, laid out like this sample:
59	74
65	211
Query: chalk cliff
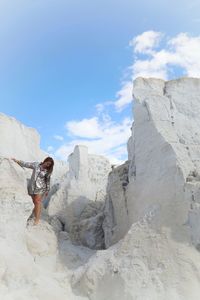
143	215
78	203
157	198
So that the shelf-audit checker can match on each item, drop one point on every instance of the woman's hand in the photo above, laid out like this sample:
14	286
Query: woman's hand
15	160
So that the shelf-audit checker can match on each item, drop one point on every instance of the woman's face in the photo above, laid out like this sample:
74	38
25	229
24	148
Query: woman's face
46	164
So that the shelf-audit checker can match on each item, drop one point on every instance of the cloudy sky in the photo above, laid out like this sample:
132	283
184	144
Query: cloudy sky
67	66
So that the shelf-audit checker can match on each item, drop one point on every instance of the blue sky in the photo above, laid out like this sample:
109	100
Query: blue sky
66	67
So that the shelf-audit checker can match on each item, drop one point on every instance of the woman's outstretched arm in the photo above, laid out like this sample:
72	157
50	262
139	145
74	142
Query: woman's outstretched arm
25	164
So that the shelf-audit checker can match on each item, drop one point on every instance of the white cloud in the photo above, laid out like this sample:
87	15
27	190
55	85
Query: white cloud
145	42
100	107
108	137
181	51
58	137
124	96
154	67
86	128
186	51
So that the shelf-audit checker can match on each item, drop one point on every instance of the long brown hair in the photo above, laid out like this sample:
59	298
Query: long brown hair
50	168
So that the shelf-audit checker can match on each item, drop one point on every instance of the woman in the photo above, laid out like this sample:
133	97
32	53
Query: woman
39	184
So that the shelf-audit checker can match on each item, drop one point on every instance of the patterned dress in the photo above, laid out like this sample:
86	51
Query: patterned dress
40	179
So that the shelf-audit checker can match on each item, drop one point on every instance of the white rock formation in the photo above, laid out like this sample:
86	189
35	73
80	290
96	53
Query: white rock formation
158	258
79	202
116	215
150	216
30	266
164	159
144	265
22	142
166	151
19	140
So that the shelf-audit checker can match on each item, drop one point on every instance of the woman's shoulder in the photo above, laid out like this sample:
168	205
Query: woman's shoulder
37	164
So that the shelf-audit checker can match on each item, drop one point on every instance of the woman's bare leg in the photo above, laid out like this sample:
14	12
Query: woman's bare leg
37	209
32	213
